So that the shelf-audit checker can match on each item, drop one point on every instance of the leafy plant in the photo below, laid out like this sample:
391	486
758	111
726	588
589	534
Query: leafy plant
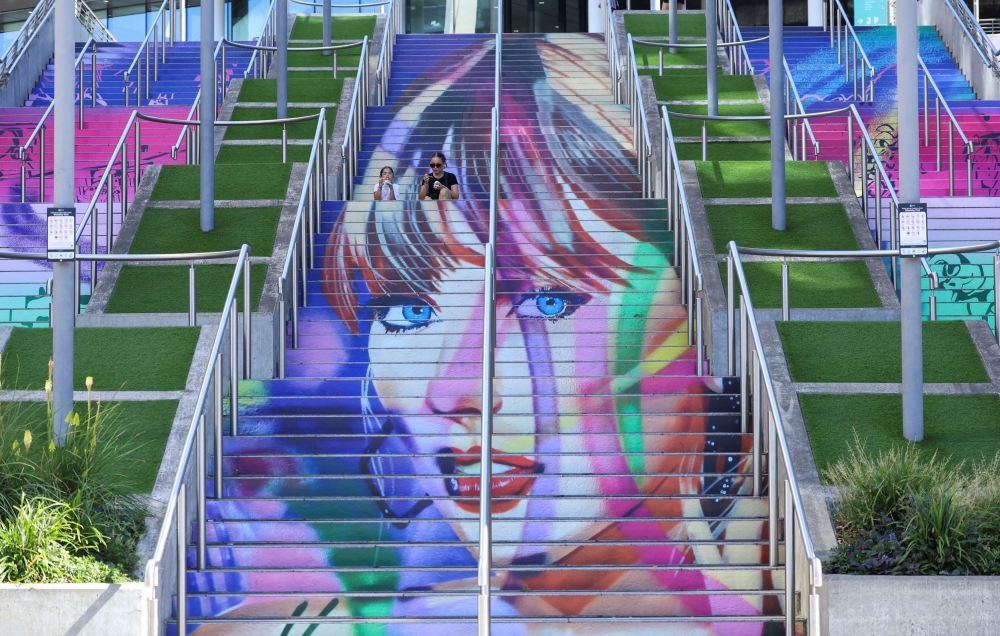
902	513
41	544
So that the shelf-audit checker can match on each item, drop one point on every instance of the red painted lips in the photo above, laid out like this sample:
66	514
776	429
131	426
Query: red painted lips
509	486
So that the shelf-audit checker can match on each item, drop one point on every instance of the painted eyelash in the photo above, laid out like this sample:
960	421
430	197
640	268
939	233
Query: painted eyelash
574	301
380	307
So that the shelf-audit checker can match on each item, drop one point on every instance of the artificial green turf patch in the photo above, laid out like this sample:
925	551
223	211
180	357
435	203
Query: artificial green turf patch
747	179
164	289
165	230
870	351
963	427
650	56
296	130
841	284
150	422
654	24
262	154
347	58
817	227
118	358
316	89
693	87
692	127
345	27
727	151
233	182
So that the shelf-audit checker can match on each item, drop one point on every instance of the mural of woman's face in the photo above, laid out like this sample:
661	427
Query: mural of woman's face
558	345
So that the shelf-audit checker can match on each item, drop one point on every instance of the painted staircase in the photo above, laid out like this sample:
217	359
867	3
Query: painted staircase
619	489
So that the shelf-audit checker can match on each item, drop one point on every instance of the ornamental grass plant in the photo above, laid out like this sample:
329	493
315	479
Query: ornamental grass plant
68	513
904	512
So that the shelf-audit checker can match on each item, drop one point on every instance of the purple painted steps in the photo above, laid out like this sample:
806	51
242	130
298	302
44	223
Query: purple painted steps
94	144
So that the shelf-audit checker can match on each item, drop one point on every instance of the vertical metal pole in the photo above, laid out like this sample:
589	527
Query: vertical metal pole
937	132
93	76
704	141
712	55
700	353
183	30
927	136
772	490
789	561
247	316
217	374
731	314
295	299
284	144
234	369
758	424
878	209
41	166
281	25
850	148
124	181
192	307
156	57
673	25
82	97
207	116
996	293
282	328
334	65
777	46
911	305
744	358
138	152
201	470
328	25
182	530
786	309
62	272
951	159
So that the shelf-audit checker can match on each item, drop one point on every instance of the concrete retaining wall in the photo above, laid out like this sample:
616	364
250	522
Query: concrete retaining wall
92	609
938	14
910	605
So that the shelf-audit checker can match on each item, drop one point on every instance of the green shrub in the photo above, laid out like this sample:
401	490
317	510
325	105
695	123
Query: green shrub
903	513
44	542
92	474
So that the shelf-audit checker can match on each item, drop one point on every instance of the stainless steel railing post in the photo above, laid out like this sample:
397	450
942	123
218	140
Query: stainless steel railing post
282	328
93	77
247	320
789	560
772	490
234	369
182	560
192	306
758	421
201	469
124	180
743	364
700	352
217	424
786	310
295	299
951	159
82	78
41	165
937	132
996	292
731	314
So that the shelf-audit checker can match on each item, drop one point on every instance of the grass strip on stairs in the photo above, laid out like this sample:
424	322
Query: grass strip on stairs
870	351
262	154
658	24
162	230
840	284
807	226
751	179
963	427
299	90
296	130
164	288
118	358
345	27
693	86
692	127
232	182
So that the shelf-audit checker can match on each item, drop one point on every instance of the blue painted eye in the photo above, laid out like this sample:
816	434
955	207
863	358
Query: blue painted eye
403	314
549	305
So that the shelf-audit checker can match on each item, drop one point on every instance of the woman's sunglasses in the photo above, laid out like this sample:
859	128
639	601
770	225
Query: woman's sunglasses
437	165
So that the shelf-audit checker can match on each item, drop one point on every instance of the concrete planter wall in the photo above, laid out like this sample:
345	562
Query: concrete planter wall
910	605
90	609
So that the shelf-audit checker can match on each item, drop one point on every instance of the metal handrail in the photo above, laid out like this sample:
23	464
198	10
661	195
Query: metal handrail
953	125
92	23
974	31
175	521
721	45
306	221
757	383
484	568
39	130
355	124
644	152
25	36
336	47
667	45
729	29
792	99
839	16
258	64
346	6
393	26
614	59
685	251
157	30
